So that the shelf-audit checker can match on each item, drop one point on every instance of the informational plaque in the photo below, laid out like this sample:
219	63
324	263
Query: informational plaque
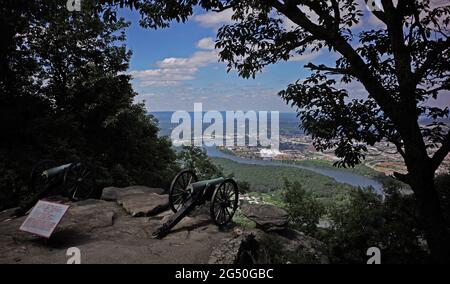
44	218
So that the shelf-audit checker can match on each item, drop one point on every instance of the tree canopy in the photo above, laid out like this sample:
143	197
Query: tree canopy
65	96
402	64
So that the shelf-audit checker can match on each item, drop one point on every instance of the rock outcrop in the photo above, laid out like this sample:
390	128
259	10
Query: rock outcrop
258	247
240	249
113	193
267	217
105	232
119	230
138	201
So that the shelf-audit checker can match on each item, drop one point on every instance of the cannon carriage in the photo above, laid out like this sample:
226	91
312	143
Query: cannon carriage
187	192
73	180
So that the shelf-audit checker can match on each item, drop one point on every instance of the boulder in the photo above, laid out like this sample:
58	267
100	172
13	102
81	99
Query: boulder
240	249
105	233
267	217
197	218
113	193
8	214
254	246
301	249
144	204
85	216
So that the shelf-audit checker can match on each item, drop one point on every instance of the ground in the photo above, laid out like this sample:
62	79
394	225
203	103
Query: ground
105	233
118	229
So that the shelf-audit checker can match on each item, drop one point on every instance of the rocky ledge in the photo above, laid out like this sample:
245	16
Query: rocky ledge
118	229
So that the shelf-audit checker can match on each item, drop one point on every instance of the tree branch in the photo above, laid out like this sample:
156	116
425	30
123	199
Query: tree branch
402	56
440	155
336	41
222	8
346	71
402	177
337	14
437	89
431	59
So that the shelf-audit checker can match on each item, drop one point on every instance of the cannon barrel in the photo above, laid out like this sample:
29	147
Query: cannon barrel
57	170
207	183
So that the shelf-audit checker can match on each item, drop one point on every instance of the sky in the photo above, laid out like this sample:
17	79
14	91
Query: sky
176	67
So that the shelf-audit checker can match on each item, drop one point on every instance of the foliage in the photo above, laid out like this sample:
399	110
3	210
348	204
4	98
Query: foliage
402	64
368	221
304	210
270	181
443	188
361	169
244	186
196	159
242	221
65	97
272	250
390	62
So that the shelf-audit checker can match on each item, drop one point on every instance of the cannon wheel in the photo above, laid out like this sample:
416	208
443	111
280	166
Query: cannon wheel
224	202
38	180
179	191
79	183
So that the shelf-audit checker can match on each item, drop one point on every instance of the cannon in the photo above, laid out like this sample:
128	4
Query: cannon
186	193
72	180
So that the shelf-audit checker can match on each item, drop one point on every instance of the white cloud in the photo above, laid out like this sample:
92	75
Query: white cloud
306	56
214	19
206	43
197	60
228	95
163	77
173	71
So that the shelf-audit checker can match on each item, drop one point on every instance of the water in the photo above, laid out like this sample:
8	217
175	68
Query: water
336	174
288	124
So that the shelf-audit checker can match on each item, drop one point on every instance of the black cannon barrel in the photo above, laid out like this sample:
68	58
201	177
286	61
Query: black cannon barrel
207	183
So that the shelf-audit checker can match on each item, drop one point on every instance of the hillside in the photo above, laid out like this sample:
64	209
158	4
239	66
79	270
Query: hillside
271	179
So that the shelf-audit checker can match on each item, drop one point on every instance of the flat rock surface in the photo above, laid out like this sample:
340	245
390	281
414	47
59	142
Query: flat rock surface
267	217
112	232
113	193
144	204
105	233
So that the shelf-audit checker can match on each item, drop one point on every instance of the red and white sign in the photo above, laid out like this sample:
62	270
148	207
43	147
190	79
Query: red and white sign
44	218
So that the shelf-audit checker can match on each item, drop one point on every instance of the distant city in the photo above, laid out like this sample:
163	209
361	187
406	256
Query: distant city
295	145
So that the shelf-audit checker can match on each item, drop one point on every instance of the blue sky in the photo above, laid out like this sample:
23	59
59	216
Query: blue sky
177	67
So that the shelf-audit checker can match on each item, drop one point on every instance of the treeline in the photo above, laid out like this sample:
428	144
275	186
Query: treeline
270	179
65	96
366	220
347	219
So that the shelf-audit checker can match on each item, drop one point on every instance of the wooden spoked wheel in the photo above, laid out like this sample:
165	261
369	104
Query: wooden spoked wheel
180	189
224	202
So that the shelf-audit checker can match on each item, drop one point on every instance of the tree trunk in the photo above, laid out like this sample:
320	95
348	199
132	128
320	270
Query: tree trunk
430	213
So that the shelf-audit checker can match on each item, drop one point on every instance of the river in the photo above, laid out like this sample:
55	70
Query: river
336	174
